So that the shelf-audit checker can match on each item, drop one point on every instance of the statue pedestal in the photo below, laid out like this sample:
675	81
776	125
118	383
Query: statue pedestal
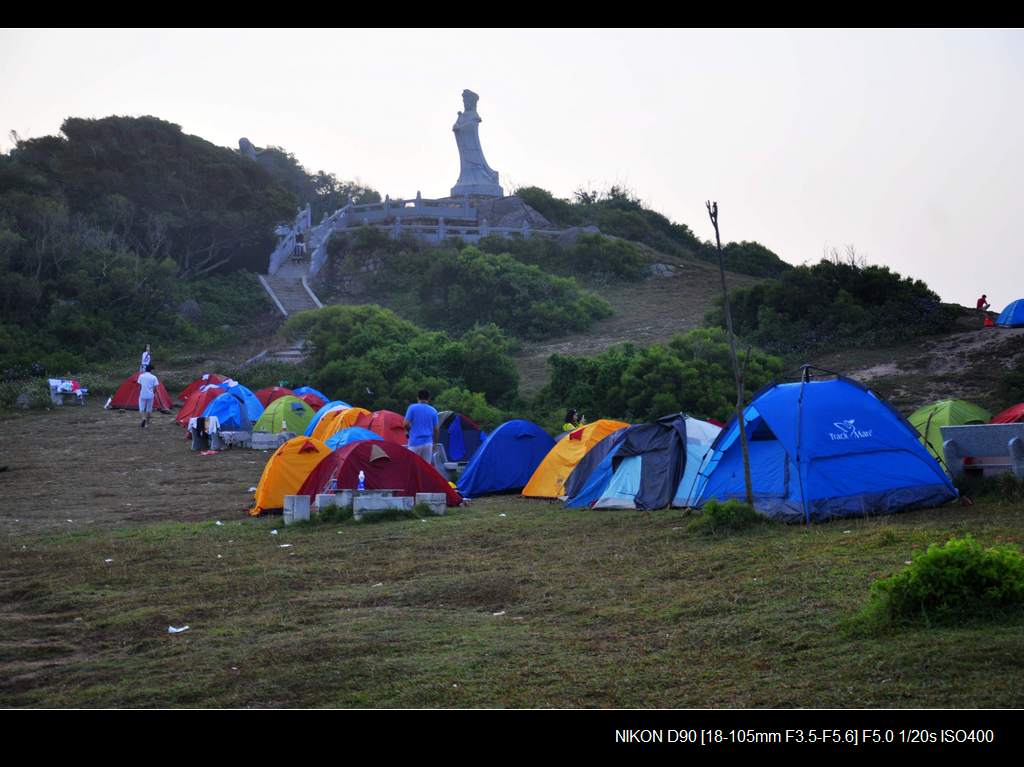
481	190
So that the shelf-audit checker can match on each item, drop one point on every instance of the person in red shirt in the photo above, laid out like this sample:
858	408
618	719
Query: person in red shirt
983	306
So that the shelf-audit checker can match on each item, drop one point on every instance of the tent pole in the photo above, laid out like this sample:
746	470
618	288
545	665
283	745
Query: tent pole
737	373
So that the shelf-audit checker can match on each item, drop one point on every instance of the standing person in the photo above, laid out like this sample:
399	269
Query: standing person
147	383
983	306
421	424
147	360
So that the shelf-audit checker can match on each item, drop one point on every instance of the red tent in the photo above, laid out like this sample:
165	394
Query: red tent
206	378
1013	414
196	404
313	400
271	393
127	396
387	467
390	426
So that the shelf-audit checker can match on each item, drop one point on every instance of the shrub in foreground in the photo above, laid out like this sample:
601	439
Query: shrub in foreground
948	584
729	517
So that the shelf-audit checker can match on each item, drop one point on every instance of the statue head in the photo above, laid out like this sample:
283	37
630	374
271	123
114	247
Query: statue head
246	148
469	100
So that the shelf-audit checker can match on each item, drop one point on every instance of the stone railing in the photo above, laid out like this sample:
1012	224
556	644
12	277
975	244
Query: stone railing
435	221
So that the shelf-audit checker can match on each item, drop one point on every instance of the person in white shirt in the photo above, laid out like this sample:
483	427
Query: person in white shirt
147	384
147	360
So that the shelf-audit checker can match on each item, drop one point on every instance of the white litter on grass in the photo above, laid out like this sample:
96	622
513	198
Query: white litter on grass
908	562
234	668
218	523
503	514
176	629
454	685
423	520
273	532
71	520
497	614
108	561
847	531
285	546
219	556
377	584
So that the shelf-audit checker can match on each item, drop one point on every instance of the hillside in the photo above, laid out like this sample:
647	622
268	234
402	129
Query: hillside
960	365
646	312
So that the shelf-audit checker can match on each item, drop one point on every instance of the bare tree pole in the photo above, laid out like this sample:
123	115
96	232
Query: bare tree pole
738	373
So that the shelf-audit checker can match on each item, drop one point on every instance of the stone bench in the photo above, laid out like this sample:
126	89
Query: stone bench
993	448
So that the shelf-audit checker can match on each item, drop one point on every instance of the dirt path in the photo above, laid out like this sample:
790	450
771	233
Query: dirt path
965	365
75	468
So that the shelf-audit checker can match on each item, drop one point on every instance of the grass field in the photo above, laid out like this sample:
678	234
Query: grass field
506	602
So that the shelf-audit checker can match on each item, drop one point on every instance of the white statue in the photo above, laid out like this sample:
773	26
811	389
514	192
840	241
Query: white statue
476	177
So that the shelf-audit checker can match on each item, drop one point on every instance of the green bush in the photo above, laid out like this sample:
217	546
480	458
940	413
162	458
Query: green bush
692	373
368	356
948	584
620	213
732	516
334	514
834	303
37	390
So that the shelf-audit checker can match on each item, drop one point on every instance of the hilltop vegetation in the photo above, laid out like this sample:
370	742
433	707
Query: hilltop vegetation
107	230
456	286
619	213
835	304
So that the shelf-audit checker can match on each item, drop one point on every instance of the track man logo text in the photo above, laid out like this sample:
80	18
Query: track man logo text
847	430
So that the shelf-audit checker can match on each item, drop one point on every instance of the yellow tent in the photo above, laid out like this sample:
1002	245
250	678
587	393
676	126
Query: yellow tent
285	472
548	481
336	420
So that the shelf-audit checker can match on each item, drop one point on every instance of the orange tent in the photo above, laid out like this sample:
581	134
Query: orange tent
336	420
285	472
548	481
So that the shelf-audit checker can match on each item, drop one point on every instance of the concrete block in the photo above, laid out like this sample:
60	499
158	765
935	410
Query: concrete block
436	501
263	440
296	508
363	505
341	498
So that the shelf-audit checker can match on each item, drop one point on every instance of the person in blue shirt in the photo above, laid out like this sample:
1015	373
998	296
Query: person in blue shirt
421	424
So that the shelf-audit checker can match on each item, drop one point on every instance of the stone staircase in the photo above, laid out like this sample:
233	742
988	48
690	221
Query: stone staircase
287	287
289	296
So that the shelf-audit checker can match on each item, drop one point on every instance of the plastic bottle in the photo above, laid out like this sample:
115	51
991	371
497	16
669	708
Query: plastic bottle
362	480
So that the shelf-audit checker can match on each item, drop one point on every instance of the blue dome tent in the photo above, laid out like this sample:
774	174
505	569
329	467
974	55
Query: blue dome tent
506	460
824	449
1013	315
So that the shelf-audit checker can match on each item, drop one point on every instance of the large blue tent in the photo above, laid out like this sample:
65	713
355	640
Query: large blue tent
825	449
253	407
506	460
230	410
1013	315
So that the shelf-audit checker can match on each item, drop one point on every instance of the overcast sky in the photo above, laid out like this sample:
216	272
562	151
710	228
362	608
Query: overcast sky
906	145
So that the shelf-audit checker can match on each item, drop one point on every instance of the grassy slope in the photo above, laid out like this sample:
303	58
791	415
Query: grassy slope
596	609
600	608
646	312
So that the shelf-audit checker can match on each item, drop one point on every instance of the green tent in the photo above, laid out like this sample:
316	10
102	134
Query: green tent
290	411
947	412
